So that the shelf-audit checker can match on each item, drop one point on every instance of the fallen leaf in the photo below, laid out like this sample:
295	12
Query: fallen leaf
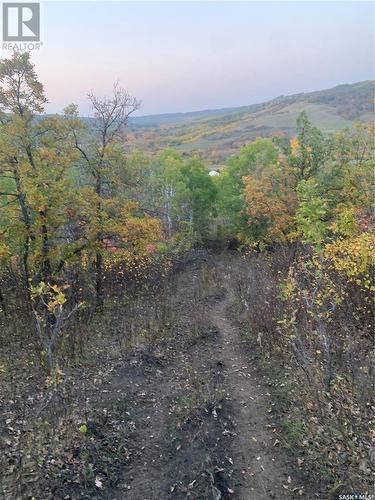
98	483
83	428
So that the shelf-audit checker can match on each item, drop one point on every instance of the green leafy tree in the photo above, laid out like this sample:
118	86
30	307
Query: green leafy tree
202	194
311	213
168	192
309	149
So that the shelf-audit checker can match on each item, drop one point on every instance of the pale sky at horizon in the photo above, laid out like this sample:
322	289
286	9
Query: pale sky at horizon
188	56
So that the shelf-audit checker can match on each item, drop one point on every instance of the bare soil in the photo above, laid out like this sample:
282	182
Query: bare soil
202	417
186	416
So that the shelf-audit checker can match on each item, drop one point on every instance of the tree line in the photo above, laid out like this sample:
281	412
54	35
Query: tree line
90	230
74	202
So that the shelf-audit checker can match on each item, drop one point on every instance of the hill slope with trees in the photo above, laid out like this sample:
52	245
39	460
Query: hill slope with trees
217	134
163	330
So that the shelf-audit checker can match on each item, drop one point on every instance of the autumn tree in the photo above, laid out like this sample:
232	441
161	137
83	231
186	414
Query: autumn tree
103	155
36	156
271	201
230	184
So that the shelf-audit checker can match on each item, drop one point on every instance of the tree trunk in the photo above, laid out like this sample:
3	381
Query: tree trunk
99	256
99	279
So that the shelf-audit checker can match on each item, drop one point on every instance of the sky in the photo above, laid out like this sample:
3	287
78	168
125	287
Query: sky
188	56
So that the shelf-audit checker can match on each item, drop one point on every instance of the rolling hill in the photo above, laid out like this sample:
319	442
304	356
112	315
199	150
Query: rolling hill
217	134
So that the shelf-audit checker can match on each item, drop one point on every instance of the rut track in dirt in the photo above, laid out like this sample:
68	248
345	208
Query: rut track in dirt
261	470
202	424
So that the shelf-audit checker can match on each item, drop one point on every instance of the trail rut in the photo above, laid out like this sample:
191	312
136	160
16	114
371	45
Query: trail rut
202	418
261	470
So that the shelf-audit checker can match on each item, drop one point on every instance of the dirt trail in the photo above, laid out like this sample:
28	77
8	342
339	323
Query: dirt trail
262	471
200	416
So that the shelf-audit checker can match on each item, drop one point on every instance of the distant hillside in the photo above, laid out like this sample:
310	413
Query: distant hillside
216	134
